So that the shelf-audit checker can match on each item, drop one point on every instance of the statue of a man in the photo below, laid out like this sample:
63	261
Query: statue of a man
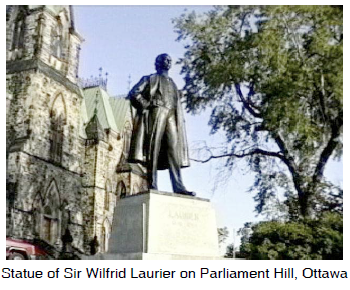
159	136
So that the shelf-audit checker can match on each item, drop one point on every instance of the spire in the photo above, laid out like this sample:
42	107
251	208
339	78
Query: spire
95	81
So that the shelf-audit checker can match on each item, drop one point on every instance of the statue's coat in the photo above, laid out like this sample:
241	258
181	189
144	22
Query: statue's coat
142	97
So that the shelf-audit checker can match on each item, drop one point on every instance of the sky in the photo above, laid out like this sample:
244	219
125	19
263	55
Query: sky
124	41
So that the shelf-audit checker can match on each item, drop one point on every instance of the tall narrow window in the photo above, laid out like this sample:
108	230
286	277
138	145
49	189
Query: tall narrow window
49	226
57	41
103	239
50	214
127	139
58	121
56	142
107	195
47	229
105	234
18	33
121	190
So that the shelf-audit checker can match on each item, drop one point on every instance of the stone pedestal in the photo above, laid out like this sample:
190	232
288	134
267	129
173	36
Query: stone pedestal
160	225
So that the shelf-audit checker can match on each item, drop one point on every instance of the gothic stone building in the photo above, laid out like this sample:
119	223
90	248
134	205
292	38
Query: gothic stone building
67	145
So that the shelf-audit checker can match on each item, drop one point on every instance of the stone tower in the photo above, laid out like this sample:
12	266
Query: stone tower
43	149
67	142
107	176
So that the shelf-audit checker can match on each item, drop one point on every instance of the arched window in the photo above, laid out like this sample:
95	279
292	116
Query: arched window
57	40
58	120
103	239
37	213
107	194
56	141
18	31
121	190
105	234
49	227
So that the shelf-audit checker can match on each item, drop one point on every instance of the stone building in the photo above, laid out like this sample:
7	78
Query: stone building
67	143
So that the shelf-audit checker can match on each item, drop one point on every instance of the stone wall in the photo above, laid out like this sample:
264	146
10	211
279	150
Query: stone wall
56	179
37	26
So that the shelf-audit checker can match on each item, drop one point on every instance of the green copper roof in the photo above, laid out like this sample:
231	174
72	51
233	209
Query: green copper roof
120	106
94	130
111	112
98	99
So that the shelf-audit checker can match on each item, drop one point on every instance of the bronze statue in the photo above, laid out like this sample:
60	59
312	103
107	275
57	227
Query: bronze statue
159	136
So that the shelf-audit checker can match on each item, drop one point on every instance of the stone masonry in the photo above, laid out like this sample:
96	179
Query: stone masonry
66	145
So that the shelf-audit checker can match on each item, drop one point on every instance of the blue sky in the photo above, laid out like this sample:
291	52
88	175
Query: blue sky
124	40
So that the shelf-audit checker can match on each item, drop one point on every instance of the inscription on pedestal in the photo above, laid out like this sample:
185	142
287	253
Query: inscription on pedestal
168	224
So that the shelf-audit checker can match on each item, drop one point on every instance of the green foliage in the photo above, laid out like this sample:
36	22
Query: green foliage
222	234
273	76
229	251
309	239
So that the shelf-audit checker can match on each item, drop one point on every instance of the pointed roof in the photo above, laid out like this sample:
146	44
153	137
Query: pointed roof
94	129
97	99
120	106
110	112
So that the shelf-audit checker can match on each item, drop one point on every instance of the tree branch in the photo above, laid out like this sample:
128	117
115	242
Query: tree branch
250	153
292	34
246	103
289	162
242	24
336	126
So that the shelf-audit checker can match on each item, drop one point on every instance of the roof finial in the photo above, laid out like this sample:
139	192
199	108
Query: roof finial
94	81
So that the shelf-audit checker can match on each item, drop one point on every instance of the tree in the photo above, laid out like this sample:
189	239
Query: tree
222	234
315	239
273	76
229	251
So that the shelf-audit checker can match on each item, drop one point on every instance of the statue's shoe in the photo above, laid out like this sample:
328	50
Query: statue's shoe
185	192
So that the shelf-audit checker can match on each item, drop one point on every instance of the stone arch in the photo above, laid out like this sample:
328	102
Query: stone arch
59	105
37	208
51	214
52	194
58	116
121	190
105	234
37	202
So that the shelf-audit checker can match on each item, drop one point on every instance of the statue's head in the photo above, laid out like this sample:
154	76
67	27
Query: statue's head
163	62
